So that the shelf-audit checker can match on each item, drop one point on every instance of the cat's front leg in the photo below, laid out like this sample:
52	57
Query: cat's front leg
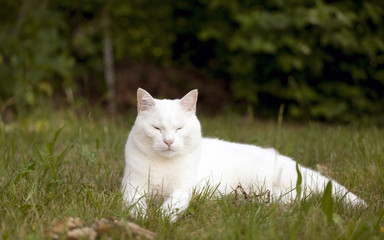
176	203
135	199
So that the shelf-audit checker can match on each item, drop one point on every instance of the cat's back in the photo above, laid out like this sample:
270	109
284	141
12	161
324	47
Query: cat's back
231	163
220	150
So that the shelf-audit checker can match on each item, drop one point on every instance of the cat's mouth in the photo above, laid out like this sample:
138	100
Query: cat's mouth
169	150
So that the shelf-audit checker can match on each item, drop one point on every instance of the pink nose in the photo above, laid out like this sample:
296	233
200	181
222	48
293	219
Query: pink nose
168	142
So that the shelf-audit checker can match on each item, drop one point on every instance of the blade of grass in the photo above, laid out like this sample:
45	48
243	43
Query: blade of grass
298	184
327	204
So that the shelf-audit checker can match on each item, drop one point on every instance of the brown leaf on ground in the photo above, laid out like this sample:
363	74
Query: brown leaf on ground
74	223
103	226
82	233
136	229
74	228
59	226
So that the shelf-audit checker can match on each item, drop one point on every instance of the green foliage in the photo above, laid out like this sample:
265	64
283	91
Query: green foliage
51	48
327	203
35	59
322	59
298	183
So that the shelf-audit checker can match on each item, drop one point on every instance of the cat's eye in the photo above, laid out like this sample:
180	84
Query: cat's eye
177	129
157	128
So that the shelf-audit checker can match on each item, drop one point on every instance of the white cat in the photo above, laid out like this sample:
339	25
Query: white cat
166	156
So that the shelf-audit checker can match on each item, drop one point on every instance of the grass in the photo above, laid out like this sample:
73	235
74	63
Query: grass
59	164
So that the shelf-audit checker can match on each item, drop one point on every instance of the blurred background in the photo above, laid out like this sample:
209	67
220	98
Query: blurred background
321	60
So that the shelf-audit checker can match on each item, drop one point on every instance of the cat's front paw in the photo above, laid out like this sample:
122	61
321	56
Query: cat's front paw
177	203
137	209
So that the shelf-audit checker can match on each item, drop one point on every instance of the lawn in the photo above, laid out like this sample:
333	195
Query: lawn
61	164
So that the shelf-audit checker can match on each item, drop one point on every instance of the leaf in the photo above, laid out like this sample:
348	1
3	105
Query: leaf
75	228
63	154
298	183
327	203
82	233
51	145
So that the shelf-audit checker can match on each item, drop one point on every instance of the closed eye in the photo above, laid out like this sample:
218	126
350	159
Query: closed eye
177	129
157	128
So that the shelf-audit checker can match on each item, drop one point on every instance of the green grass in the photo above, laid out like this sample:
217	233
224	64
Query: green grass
59	164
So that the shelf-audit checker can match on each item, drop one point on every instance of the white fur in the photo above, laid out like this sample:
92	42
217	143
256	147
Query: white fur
166	156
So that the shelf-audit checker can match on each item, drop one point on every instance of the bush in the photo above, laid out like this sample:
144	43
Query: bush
322	59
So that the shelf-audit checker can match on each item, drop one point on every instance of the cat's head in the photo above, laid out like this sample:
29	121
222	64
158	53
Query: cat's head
168	127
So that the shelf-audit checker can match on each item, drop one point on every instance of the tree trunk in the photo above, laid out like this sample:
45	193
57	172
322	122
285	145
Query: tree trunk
109	72
21	17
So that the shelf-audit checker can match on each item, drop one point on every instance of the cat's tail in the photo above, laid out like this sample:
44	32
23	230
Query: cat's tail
315	182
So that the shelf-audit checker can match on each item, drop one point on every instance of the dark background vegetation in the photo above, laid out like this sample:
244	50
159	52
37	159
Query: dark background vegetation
324	60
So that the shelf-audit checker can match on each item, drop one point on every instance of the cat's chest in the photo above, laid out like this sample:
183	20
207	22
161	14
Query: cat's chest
162	176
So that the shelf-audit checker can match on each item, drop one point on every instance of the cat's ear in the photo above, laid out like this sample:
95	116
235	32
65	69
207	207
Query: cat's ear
188	102
144	100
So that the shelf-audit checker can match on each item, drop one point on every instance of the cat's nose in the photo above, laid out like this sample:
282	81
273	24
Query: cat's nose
168	142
